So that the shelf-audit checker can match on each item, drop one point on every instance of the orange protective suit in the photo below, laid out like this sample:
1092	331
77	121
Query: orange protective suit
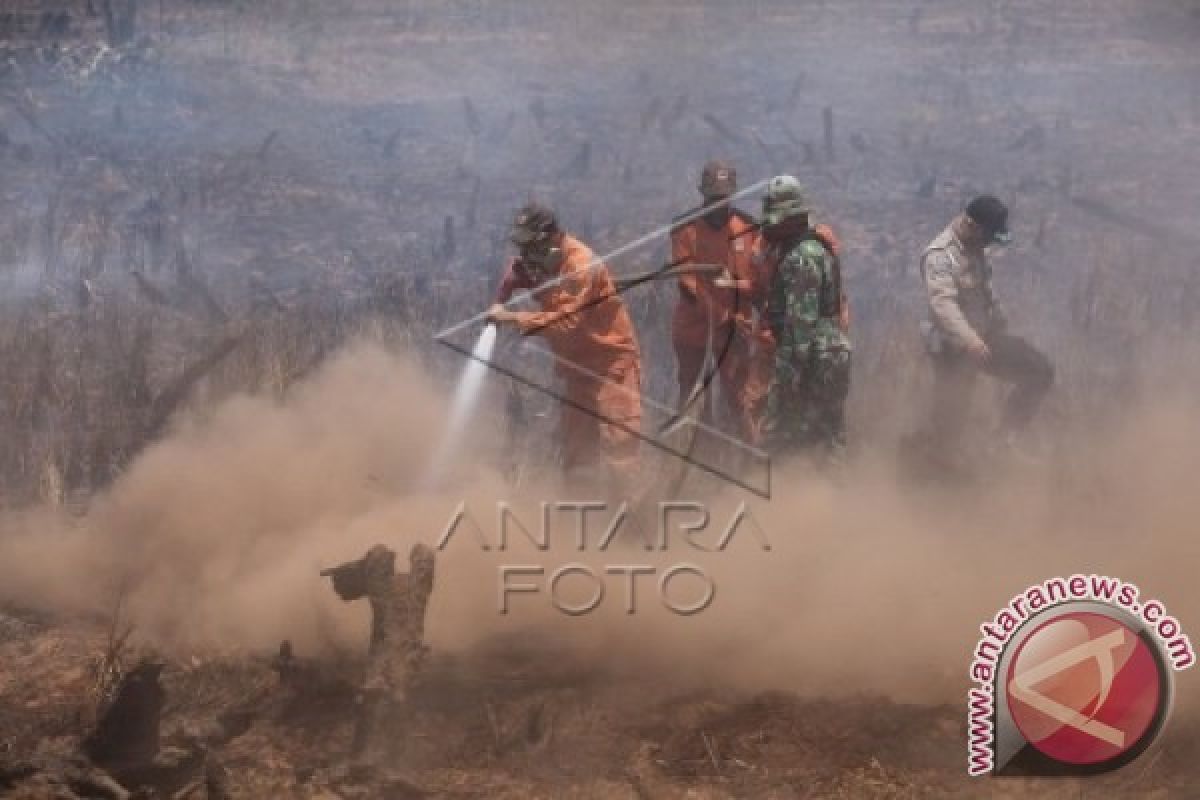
591	333
740	344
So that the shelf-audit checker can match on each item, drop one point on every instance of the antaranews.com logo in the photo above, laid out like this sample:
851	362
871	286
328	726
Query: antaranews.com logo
1073	677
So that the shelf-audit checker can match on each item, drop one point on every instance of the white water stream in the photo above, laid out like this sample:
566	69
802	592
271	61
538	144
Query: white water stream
462	411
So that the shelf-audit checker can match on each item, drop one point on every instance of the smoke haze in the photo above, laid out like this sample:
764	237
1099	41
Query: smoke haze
218	532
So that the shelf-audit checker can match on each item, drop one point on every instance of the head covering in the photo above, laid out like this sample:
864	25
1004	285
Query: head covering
718	178
784	199
533	223
991	216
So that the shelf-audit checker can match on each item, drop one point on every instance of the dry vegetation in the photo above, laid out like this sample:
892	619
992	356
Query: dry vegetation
220	203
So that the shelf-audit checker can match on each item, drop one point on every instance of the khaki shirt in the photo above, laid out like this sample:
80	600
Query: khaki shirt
962	307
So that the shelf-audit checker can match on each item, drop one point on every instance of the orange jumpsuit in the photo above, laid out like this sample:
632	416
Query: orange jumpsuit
740	344
591	334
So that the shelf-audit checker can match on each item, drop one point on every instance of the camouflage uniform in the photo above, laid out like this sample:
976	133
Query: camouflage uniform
806	403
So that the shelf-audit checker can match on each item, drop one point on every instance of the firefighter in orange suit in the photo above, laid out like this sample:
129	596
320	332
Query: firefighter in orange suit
588	328
715	313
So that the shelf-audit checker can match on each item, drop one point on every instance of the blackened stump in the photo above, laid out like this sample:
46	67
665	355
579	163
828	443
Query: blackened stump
128	732
397	648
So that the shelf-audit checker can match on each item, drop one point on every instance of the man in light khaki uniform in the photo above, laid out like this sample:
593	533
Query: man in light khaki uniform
967	332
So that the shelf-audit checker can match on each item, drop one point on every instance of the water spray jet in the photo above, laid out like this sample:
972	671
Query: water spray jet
462	410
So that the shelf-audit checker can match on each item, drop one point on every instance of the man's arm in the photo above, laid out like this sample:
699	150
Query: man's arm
826	236
832	295
683	252
579	290
938	269
513	279
999	317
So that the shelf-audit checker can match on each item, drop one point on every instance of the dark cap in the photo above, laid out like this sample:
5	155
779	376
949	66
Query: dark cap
533	223
718	178
991	215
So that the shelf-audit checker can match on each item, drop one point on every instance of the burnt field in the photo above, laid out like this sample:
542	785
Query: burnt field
230	232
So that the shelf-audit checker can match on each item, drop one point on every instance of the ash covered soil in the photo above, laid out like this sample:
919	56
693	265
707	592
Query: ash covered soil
513	718
359	155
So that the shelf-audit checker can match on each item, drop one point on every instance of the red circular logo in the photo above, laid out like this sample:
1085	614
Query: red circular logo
1084	688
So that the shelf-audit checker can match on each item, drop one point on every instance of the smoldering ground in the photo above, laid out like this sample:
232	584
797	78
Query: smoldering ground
215	537
216	534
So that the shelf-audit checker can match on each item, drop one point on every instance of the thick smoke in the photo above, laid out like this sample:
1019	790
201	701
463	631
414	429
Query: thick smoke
217	534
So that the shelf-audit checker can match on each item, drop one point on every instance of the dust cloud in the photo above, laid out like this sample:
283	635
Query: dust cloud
215	538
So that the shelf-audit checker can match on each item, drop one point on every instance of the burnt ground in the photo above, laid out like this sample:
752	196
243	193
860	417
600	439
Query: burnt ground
313	165
511	719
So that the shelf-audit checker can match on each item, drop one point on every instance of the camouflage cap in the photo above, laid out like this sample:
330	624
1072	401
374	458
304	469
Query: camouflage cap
533	223
718	178
784	198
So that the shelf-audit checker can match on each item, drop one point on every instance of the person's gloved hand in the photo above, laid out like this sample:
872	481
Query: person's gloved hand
500	315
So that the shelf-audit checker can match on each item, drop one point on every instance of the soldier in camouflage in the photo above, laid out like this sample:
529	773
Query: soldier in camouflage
967	334
807	398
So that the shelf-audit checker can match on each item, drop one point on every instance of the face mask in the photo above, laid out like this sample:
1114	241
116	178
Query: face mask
543	258
718	216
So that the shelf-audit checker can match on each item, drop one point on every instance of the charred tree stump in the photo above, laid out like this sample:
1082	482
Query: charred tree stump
126	740
397	648
128	732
